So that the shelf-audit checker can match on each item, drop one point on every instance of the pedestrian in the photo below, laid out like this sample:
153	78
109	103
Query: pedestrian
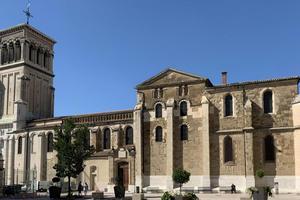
85	188
79	188
233	189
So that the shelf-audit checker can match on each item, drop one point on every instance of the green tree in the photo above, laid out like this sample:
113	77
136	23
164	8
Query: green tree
181	176
71	143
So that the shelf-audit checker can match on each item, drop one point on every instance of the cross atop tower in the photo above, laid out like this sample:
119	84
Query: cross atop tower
27	12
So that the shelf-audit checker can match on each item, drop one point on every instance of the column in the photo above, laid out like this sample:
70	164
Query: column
169	140
138	141
24	152
205	143
296	121
11	161
5	153
115	136
41	153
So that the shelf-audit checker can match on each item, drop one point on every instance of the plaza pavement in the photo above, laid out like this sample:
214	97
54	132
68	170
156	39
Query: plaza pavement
211	196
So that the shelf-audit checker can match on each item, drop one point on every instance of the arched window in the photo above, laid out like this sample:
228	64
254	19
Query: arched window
20	145
4	55
38	56
158	110
18	50
184	132
268	101
31	53
106	139
129	135
158	134
269	148
228	105
11	52
50	142
46	60
183	108
228	149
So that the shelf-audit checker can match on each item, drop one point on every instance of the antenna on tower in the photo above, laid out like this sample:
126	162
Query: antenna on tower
27	11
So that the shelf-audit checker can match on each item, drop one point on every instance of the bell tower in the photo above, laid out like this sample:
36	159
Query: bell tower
26	76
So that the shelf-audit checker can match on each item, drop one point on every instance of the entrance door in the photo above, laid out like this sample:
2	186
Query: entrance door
123	174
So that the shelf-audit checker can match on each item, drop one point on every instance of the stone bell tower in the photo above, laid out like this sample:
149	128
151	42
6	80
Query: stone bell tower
26	76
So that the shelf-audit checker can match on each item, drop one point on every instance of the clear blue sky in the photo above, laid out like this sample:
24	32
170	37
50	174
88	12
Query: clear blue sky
106	47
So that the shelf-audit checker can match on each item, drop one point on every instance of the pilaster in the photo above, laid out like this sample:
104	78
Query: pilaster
138	141
205	143
169	141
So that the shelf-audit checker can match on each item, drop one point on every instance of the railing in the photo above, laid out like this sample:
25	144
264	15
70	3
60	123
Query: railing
103	117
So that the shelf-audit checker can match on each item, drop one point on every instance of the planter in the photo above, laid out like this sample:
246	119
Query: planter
119	191
260	195
54	192
179	197
97	195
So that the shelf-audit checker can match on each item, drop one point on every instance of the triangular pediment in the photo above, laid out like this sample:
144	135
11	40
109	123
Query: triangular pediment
170	77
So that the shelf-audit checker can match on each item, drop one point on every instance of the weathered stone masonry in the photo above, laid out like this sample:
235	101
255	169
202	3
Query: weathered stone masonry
220	133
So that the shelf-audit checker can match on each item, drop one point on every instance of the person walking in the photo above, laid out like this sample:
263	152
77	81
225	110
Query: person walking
85	188
79	188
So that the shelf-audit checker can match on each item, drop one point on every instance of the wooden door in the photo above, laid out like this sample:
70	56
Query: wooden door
123	175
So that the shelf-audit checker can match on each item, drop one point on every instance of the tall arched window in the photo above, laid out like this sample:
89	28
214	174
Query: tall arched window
50	142
11	52
31	53
228	149
38	56
158	110
158	134
269	148
18	50
228	105
4	55
20	144
184	132
106	138
46	60
129	135
268	101
183	108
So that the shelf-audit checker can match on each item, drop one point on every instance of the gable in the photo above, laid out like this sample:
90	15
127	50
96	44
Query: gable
170	77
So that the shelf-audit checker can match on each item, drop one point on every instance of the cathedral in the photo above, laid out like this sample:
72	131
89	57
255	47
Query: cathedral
222	134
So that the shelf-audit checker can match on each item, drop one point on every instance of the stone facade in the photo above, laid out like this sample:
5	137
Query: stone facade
221	134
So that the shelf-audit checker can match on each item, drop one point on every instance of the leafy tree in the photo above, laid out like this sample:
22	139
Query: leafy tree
72	147
181	176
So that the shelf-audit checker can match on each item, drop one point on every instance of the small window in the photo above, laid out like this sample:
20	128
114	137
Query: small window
20	144
228	105
183	108
129	135
269	148
268	102
158	110
158	134
228	150
184	132
106	139
156	93
50	142
4	54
